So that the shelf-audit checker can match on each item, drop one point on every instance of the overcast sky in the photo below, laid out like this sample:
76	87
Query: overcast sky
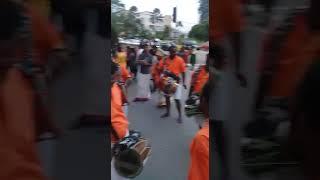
187	10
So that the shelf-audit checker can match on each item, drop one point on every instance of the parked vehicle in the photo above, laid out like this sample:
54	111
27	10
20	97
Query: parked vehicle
190	44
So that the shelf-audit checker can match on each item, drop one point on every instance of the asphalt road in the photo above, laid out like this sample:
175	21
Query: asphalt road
170	140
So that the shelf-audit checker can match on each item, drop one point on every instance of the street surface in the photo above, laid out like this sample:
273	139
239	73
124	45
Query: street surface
170	141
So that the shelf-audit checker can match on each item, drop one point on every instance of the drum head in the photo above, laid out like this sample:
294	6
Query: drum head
128	163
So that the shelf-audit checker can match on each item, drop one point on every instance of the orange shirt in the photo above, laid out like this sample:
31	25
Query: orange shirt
176	66
225	17
119	120
122	58
46	37
297	53
18	152
125	75
156	72
199	151
201	80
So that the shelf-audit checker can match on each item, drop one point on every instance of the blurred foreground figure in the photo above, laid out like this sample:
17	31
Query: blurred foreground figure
119	121
305	125
43	6
226	23
288	50
199	148
18	150
219	111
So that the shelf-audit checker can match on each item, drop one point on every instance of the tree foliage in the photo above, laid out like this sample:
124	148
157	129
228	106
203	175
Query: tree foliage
165	34
126	22
179	24
116	6
204	10
200	31
156	16
181	39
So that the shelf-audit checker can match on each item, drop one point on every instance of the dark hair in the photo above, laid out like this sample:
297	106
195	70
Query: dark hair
205	95
171	48
209	60
308	98
217	54
119	49
114	67
10	18
132	50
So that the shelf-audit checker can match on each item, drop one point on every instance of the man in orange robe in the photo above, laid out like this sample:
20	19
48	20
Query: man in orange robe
281	72
176	66
199	148
118	118
119	121
199	78
18	152
156	72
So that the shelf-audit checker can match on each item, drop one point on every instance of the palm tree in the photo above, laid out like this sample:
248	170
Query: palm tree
179	24
133	9
156	16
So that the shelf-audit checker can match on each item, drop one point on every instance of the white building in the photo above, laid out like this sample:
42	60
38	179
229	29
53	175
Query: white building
175	34
145	18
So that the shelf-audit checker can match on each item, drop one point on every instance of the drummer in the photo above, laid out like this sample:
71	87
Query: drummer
199	78
156	73
119	121
176	66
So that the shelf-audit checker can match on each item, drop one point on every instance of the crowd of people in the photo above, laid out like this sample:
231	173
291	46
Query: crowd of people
152	65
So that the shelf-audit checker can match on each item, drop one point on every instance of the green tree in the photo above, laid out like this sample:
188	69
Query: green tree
156	16
200	31
181	39
179	24
114	37
116	6
133	9
166	32
204	10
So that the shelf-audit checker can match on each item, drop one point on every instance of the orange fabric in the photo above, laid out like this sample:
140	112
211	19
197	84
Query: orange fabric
119	120
199	151
45	37
201	80
122	58
298	52
125	75
176	66
18	150
156	72
225	17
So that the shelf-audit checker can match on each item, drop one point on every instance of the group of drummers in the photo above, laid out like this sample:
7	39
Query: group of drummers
167	72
